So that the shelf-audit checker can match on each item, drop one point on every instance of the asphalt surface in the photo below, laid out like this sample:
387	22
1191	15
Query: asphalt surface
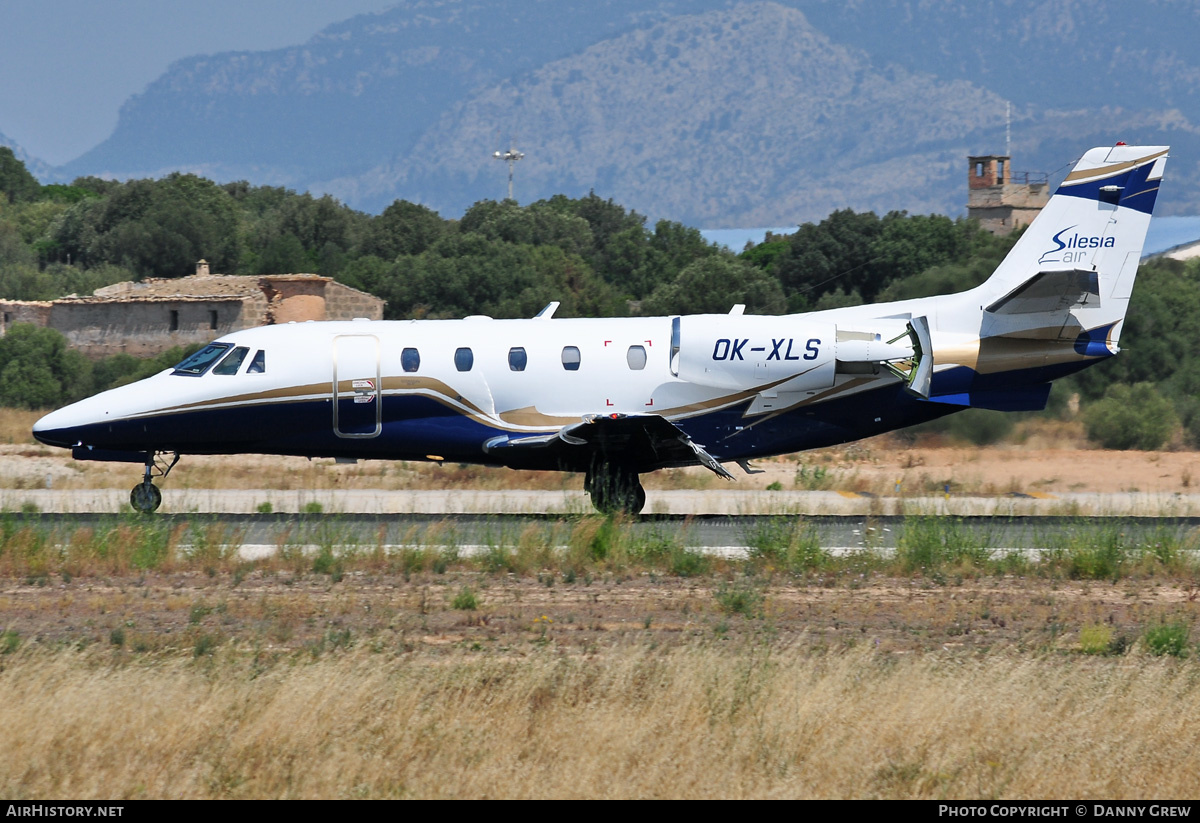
683	503
261	534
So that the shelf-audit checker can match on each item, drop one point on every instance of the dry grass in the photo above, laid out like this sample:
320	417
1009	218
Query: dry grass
16	426
696	721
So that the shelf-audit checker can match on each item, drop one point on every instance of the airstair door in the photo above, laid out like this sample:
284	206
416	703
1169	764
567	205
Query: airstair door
357	399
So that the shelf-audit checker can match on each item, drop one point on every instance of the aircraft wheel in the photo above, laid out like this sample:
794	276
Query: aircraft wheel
145	497
615	491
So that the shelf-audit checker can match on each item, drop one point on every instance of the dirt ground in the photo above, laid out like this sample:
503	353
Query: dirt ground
282	612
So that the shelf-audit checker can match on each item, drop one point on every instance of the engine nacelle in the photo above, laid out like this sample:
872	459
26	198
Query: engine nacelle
790	354
734	351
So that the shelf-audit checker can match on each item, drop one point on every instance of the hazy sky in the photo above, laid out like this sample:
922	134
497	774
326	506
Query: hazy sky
66	66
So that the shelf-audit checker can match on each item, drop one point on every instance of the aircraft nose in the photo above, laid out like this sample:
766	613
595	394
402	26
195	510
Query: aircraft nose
58	428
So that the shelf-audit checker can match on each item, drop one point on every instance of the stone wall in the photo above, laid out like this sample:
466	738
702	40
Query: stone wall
345	303
144	328
23	311
148	317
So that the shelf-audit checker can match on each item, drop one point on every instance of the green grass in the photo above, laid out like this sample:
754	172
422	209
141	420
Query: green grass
934	545
1170	639
40	549
465	600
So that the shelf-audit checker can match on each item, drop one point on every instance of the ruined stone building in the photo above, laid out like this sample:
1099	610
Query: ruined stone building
144	318
1000	199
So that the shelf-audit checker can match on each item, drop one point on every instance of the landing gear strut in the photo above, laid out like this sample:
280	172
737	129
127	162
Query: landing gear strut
615	489
145	496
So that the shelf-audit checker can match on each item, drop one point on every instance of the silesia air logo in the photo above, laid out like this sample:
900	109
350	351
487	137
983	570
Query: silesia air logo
1073	249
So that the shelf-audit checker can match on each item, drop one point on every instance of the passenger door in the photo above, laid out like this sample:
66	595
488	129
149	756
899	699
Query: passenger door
357	399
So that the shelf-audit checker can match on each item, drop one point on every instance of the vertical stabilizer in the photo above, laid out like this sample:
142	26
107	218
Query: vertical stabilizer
1075	264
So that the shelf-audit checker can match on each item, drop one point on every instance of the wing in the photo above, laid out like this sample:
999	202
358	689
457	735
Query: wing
642	441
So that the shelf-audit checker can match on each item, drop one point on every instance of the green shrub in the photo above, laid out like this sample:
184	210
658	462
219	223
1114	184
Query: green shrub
1095	639
813	478
928	543
785	544
739	598
465	600
1167	639
1131	417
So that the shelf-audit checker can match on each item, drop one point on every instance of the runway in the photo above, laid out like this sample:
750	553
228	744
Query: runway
720	501
733	535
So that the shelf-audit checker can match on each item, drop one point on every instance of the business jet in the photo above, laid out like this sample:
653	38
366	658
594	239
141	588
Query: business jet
616	398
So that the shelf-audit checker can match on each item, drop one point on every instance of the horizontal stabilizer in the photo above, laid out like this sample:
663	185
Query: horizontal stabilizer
1051	291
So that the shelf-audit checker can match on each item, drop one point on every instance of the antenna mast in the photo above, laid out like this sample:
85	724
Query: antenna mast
511	157
1007	131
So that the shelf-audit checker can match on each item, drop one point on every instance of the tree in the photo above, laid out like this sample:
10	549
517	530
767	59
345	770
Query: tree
713	285
15	180
156	228
403	228
467	273
37	370
1131	417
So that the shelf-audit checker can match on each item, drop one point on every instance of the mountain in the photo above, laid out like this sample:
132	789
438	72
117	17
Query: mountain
36	167
715	112
751	114
357	93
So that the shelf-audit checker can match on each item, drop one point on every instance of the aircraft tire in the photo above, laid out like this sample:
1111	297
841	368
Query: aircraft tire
145	498
613	490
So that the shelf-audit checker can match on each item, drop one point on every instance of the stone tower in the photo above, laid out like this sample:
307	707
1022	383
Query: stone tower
1001	199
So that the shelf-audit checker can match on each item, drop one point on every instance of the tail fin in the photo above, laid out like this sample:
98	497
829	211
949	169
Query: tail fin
1076	263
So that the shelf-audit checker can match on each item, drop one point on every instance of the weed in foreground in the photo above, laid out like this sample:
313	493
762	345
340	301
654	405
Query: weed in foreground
465	600
741	597
930	544
785	544
1167	639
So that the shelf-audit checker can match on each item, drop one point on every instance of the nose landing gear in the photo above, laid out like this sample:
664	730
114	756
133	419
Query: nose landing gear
145	496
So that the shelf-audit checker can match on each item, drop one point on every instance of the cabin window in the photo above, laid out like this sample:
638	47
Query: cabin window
232	361
517	359
636	357
259	364
212	319
174	320
200	362
570	358
410	359
464	359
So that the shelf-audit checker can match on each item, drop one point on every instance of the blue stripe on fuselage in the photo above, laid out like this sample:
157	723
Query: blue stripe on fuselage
414	426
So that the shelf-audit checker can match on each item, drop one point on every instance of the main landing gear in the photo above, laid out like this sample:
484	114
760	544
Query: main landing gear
145	496
614	489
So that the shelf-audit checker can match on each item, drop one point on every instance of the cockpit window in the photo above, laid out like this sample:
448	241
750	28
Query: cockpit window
232	361
259	364
200	362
